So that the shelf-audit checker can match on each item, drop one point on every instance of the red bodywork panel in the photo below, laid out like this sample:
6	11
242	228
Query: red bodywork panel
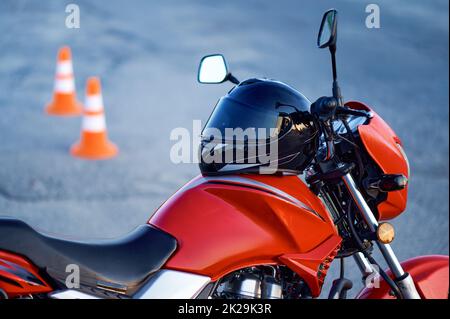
313	265
430	274
222	226
384	146
18	277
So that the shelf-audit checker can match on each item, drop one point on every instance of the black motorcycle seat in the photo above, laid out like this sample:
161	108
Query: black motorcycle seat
118	265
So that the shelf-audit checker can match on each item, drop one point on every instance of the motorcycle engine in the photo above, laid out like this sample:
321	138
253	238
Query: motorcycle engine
264	282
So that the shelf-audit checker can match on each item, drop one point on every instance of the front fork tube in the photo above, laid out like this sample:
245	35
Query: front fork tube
404	281
364	265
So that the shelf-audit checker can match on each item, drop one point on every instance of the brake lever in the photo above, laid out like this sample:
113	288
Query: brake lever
346	111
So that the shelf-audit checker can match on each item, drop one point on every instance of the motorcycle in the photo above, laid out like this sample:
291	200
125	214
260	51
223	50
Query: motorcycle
250	235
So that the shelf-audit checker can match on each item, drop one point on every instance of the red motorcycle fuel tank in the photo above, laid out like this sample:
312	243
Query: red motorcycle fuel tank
226	223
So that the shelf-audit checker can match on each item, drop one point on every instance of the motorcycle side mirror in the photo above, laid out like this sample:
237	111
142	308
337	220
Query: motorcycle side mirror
328	30
327	39
213	70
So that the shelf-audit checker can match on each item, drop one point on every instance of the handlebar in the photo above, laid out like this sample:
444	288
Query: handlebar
325	108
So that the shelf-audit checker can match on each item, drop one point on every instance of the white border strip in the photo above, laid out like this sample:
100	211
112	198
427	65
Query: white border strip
94	103
65	85
94	123
71	294
64	68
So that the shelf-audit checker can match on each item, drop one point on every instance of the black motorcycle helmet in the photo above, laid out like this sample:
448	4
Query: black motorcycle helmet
260	126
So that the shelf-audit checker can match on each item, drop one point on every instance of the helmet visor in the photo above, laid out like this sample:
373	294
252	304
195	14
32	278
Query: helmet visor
235	121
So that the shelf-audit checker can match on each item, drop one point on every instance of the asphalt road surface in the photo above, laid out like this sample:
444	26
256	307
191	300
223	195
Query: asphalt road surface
147	53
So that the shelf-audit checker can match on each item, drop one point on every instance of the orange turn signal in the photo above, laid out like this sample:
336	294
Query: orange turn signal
385	233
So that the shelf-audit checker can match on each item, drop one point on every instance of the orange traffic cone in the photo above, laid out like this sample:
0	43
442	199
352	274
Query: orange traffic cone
64	97
94	143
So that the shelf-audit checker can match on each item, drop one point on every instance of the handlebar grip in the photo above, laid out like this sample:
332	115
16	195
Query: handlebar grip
324	107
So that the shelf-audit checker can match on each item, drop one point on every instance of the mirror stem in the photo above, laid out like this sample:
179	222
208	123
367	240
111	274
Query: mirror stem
337	92
232	79
336	88
333	61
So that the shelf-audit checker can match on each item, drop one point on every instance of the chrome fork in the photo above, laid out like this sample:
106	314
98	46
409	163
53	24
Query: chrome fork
404	280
